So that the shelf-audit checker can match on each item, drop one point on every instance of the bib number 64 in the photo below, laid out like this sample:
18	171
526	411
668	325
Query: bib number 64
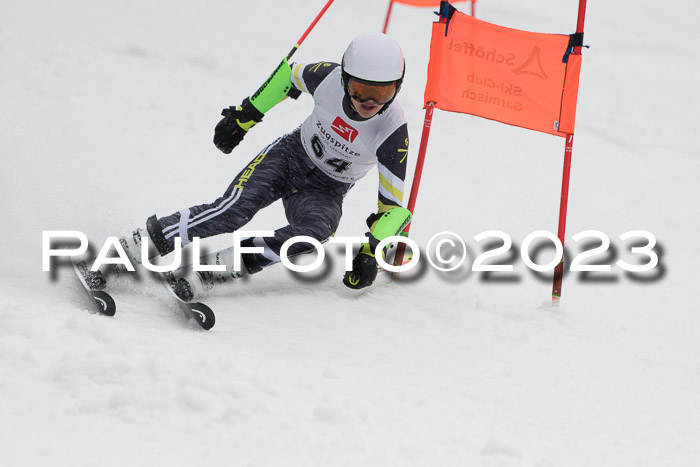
339	165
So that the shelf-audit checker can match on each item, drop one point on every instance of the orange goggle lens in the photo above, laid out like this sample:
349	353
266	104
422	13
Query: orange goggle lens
363	91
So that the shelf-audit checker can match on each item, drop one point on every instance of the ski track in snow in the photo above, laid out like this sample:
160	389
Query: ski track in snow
106	116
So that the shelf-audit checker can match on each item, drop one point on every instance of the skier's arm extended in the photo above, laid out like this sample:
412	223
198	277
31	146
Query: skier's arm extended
238	120
282	83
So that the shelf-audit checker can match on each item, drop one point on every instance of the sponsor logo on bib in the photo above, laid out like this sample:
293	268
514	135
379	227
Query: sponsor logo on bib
347	132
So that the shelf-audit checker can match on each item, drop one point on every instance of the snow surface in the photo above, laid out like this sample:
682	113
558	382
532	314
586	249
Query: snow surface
107	111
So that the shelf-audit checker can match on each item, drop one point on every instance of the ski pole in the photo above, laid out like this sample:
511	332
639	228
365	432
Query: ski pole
303	37
278	85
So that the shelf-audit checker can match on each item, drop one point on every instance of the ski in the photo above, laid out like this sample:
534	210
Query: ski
94	284
201	313
197	311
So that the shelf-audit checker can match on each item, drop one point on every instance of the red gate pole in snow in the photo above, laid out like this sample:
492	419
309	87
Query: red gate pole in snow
427	123
568	150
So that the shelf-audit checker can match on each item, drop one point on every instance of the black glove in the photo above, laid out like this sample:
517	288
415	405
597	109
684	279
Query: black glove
235	124
364	271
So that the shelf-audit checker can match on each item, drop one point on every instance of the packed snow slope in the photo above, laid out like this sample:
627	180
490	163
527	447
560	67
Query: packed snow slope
107	112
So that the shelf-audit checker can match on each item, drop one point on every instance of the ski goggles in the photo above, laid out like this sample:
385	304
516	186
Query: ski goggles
363	91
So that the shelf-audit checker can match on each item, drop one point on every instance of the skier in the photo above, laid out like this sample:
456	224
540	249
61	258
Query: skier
355	125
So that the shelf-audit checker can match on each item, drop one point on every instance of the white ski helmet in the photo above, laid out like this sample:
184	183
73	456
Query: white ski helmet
374	57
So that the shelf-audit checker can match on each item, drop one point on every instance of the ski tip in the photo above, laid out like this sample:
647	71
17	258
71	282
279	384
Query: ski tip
203	315
105	303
